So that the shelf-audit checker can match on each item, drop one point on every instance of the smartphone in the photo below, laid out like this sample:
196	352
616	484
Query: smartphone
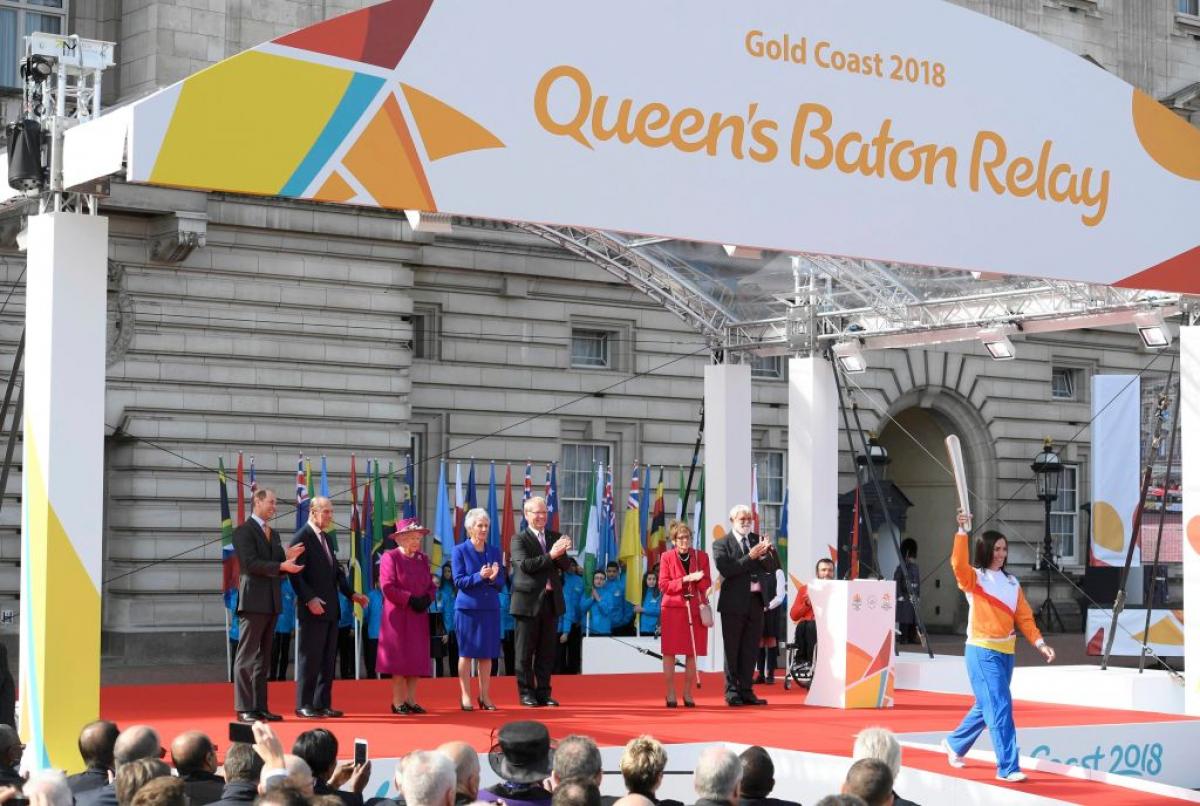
360	752
241	732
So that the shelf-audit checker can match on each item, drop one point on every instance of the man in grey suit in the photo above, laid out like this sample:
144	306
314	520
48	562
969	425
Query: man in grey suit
744	561
262	560
539	556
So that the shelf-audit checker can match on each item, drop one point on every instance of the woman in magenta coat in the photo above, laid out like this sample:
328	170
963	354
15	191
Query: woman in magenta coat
408	590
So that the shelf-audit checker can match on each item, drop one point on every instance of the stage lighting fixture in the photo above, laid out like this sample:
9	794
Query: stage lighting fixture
849	357
1153	330
36	68
996	342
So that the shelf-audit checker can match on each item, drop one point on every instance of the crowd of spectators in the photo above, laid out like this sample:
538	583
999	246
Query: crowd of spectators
129	768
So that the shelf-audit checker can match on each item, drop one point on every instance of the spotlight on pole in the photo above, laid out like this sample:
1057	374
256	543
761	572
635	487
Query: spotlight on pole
849	357
996	342
1153	330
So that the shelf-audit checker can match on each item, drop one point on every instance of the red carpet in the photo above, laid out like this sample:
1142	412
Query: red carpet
612	709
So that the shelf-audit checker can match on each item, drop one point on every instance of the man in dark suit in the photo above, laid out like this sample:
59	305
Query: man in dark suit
242	769
262	559
538	558
195	759
758	779
744	561
318	610
96	742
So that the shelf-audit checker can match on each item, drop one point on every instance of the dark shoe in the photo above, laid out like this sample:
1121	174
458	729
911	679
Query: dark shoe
401	709
734	702
331	713
688	703
466	706
531	702
755	701
270	717
672	704
759	680
486	706
771	680
550	702
309	713
413	708
249	717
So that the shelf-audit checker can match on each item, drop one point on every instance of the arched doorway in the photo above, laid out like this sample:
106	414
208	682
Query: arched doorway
914	439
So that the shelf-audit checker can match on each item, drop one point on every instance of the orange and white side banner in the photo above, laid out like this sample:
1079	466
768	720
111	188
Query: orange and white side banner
1189	410
854	664
1116	467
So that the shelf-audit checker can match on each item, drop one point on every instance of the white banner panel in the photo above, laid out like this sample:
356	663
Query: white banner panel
1116	466
1166	632
1189	434
914	131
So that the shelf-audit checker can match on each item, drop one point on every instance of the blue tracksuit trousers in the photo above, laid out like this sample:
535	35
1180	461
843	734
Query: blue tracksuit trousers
991	675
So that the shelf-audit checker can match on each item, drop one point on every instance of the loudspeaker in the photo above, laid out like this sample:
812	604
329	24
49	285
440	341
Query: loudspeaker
25	171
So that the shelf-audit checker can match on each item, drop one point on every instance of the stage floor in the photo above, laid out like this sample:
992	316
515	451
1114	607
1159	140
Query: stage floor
613	708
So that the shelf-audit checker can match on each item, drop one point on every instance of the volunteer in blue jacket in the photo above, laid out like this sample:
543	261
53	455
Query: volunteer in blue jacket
285	628
508	626
602	607
651	606
373	619
570	627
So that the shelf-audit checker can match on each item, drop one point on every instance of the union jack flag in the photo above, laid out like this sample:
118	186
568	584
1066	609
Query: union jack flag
301	494
528	492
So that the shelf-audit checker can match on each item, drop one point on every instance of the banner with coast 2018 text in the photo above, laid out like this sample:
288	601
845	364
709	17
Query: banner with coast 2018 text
913	131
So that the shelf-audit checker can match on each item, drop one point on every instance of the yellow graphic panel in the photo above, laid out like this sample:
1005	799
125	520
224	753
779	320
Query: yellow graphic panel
869	693
385	161
444	130
225	136
335	189
1162	631
1170	140
1107	526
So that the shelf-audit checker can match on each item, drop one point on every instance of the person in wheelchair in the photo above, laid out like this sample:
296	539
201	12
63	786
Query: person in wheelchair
805	642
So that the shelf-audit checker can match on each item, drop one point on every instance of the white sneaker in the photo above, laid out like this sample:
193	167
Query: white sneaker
952	758
1013	777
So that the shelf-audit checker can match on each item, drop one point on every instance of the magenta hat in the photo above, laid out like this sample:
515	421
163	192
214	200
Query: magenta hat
410	525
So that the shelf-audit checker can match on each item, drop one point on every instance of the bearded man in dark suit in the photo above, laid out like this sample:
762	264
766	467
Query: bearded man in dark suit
744	560
262	561
539	558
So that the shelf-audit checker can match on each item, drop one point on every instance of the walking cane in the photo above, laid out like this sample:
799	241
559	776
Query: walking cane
687	606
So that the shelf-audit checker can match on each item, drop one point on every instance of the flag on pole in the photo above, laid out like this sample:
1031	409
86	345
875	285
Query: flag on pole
644	513
506	519
754	516
656	539
679	513
241	492
472	497
527	494
301	495
410	489
253	482
356	569
552	499
389	512
460	527
609	517
308	481
379	511
331	535
493	508
368	531
698	514
629	553
593	534
230	572
443	526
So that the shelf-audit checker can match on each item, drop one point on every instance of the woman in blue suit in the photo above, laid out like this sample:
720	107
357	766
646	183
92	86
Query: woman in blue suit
479	578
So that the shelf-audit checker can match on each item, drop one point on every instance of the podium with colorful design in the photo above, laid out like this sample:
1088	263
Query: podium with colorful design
853	667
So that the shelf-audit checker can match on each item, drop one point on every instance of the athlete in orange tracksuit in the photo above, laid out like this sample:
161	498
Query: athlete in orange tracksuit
996	605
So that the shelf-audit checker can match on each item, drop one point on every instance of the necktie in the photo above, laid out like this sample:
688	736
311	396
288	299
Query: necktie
542	540
746	544
267	532
325	546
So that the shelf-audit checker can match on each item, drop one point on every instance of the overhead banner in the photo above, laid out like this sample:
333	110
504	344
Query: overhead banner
918	132
1116	467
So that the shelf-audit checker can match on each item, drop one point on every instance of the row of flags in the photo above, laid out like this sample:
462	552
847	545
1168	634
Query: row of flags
637	544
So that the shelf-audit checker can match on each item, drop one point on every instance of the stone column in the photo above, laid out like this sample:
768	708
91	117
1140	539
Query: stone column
812	465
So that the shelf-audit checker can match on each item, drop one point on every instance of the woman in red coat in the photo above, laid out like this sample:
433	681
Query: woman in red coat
684	579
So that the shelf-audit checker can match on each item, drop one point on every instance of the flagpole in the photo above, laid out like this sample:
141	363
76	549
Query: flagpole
357	650
228	654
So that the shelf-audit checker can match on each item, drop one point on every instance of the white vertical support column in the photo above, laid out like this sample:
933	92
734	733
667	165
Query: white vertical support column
62	484
727	454
812	465
1189	408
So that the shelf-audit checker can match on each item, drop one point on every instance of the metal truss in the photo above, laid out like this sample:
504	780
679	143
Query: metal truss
793	303
666	284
